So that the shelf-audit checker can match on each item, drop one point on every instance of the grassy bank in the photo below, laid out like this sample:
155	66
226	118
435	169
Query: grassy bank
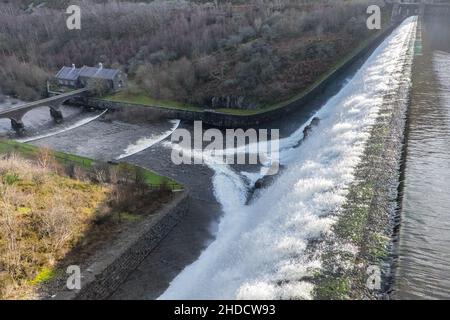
42	216
144	100
58	209
31	152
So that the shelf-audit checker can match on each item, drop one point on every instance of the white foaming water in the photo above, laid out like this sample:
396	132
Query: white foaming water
259	250
74	126
147	142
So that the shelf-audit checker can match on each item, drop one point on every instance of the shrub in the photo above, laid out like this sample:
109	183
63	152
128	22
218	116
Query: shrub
10	178
41	218
22	79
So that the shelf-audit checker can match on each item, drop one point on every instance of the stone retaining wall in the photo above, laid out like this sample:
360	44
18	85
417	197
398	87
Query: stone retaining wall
112	266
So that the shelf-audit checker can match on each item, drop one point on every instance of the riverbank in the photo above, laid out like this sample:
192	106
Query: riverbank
105	271
88	164
188	238
42	214
137	207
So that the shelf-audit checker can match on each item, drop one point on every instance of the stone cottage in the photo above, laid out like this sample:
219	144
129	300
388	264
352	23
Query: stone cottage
74	77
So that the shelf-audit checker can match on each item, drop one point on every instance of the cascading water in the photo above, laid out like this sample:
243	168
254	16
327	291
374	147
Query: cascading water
77	124
260	249
147	142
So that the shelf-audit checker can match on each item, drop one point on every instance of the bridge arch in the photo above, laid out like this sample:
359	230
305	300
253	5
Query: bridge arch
40	114
16	122
5	125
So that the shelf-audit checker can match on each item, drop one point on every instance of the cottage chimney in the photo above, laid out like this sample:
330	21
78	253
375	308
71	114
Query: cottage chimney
73	66
100	65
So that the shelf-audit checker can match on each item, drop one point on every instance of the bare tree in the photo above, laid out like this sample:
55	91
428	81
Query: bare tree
45	158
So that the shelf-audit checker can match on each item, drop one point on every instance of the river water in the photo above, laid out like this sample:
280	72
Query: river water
89	134
423	248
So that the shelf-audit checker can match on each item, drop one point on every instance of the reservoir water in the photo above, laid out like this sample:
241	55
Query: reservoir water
423	248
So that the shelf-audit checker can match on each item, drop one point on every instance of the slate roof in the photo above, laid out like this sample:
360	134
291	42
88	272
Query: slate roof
68	73
71	73
101	73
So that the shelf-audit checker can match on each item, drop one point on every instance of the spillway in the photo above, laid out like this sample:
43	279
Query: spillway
260	249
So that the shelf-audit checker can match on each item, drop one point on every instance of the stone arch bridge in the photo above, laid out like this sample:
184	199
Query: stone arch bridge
16	113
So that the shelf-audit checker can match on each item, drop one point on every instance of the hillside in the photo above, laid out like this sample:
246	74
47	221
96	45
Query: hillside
233	54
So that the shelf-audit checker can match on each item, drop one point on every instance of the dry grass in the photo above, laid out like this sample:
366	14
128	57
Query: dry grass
51	218
42	216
